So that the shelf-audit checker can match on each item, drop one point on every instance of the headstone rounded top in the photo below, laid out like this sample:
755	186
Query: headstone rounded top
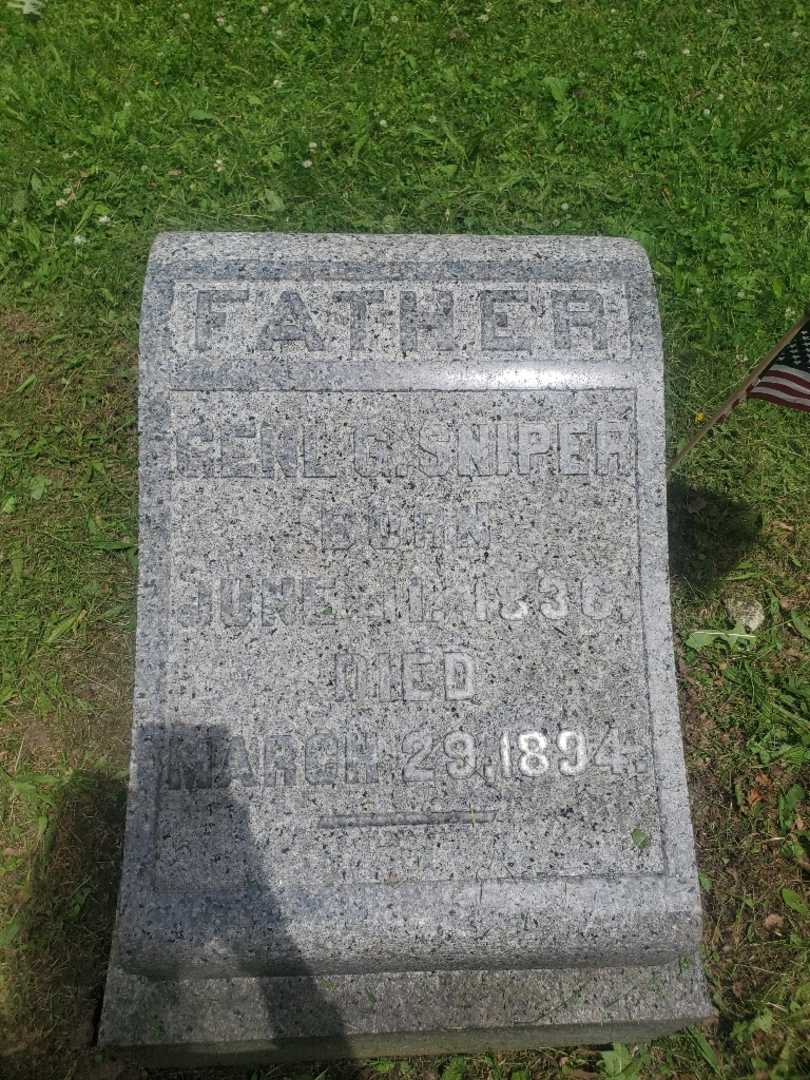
600	251
361	311
405	692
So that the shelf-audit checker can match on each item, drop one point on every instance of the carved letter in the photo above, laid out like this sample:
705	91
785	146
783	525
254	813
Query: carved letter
321	758
497	333
372	450
414	688
434	442
575	445
583	308
280	601
361	759
338	528
316	447
235	601
358	314
459	677
208	318
612	448
475	450
472	525
189	762
290	321
437	323
280	449
197	612
351	677
230	761
195	451
237	455
279	761
534	443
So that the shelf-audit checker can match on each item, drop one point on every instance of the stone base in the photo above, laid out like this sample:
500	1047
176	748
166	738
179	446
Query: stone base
249	1020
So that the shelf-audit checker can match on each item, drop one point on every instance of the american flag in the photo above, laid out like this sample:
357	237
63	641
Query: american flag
786	380
781	377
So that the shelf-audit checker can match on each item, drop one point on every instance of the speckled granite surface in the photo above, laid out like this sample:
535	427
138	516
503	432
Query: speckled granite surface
405	700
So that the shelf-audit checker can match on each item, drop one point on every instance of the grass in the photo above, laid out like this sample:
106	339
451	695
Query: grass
682	125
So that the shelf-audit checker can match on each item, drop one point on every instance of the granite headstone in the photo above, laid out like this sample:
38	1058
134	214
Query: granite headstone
406	769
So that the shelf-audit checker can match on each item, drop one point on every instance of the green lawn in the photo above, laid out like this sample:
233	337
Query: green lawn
682	125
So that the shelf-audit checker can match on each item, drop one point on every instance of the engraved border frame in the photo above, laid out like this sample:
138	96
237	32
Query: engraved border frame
670	903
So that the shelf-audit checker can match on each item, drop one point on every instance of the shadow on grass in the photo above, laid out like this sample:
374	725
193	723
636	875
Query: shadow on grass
56	966
709	534
55	970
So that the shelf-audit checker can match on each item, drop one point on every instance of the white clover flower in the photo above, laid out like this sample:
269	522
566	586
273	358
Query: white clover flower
483	18
707	112
277	83
307	163
220	20
433	119
61	202
685	52
564	206
395	18
219	164
720	97
185	15
78	240
313	146
67	191
104	219
264	9
383	123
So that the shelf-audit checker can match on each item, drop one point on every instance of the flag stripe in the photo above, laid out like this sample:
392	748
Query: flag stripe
788	373
781	397
802	406
778	382
784	391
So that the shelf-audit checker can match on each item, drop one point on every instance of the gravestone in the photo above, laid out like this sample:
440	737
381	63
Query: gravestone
406	769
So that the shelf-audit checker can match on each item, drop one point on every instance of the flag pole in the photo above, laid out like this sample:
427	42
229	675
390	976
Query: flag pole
738	395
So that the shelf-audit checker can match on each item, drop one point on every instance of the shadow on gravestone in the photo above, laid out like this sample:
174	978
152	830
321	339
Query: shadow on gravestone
55	968
238	880
709	534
